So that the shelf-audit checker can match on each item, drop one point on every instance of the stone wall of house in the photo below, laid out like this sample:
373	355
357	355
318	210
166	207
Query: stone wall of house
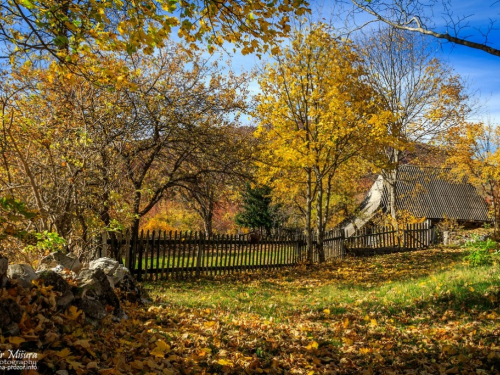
460	237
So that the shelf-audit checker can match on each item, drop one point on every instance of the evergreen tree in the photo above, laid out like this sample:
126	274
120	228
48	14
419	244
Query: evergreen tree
257	212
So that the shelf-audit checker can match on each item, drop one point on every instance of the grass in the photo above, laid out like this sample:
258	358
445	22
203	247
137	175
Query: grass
403	312
220	259
423	312
406	281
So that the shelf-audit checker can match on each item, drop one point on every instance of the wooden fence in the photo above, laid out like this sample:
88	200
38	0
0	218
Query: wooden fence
160	255
183	254
388	239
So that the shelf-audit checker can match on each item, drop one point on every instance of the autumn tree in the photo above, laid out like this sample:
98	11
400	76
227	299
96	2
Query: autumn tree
56	154
474	152
420	16
68	29
317	115
89	156
210	190
424	95
175	118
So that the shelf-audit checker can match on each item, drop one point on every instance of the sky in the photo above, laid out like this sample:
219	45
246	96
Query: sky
480	69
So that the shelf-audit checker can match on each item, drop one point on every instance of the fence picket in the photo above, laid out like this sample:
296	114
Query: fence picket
153	242
144	250
226	252
231	253
255	254
239	260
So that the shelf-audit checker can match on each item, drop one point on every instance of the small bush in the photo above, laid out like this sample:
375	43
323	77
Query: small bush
481	252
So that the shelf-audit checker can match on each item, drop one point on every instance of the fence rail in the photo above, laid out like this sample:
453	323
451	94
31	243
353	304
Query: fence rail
161	255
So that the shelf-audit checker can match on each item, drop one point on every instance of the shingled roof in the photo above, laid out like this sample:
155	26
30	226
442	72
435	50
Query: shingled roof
433	194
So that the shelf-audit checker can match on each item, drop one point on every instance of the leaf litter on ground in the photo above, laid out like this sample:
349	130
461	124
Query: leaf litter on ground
407	313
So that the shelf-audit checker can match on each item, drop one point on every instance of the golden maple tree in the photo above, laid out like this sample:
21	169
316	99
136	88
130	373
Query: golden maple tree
318	116
474	152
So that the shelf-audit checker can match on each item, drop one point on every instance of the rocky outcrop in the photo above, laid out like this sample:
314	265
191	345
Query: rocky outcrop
23	273
462	237
93	290
58	259
129	289
94	285
93	309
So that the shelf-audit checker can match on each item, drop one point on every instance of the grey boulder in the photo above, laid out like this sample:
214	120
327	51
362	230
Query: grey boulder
95	293
10	315
114	270
23	273
58	260
60	285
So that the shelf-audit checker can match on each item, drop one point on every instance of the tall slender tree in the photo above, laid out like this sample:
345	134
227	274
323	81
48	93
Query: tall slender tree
424	95
317	114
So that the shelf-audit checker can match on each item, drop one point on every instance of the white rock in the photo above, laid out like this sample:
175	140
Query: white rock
113	269
24	273
59	259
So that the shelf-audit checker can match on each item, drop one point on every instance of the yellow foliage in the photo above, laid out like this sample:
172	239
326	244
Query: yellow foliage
474	153
93	28
318	119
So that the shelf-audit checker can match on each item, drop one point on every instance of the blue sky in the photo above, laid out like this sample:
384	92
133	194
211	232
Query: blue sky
480	69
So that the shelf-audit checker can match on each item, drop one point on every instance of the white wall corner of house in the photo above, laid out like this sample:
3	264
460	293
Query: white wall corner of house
371	208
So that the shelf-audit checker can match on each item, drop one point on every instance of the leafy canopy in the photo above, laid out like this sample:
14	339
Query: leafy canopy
66	28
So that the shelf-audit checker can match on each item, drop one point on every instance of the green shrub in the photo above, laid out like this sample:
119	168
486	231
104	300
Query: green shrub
481	252
47	242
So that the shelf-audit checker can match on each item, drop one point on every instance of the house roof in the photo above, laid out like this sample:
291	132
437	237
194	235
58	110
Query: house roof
432	193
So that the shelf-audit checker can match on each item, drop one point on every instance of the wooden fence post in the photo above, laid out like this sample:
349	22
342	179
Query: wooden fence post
398	236
139	248
128	251
342	244
98	247
199	254
104	245
429	232
298	242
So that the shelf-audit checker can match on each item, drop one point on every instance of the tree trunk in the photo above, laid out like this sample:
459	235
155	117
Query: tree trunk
308	218
496	212
392	182
319	221
207	224
135	225
392	195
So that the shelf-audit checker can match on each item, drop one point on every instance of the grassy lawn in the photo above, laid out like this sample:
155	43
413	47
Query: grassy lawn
423	310
218	259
